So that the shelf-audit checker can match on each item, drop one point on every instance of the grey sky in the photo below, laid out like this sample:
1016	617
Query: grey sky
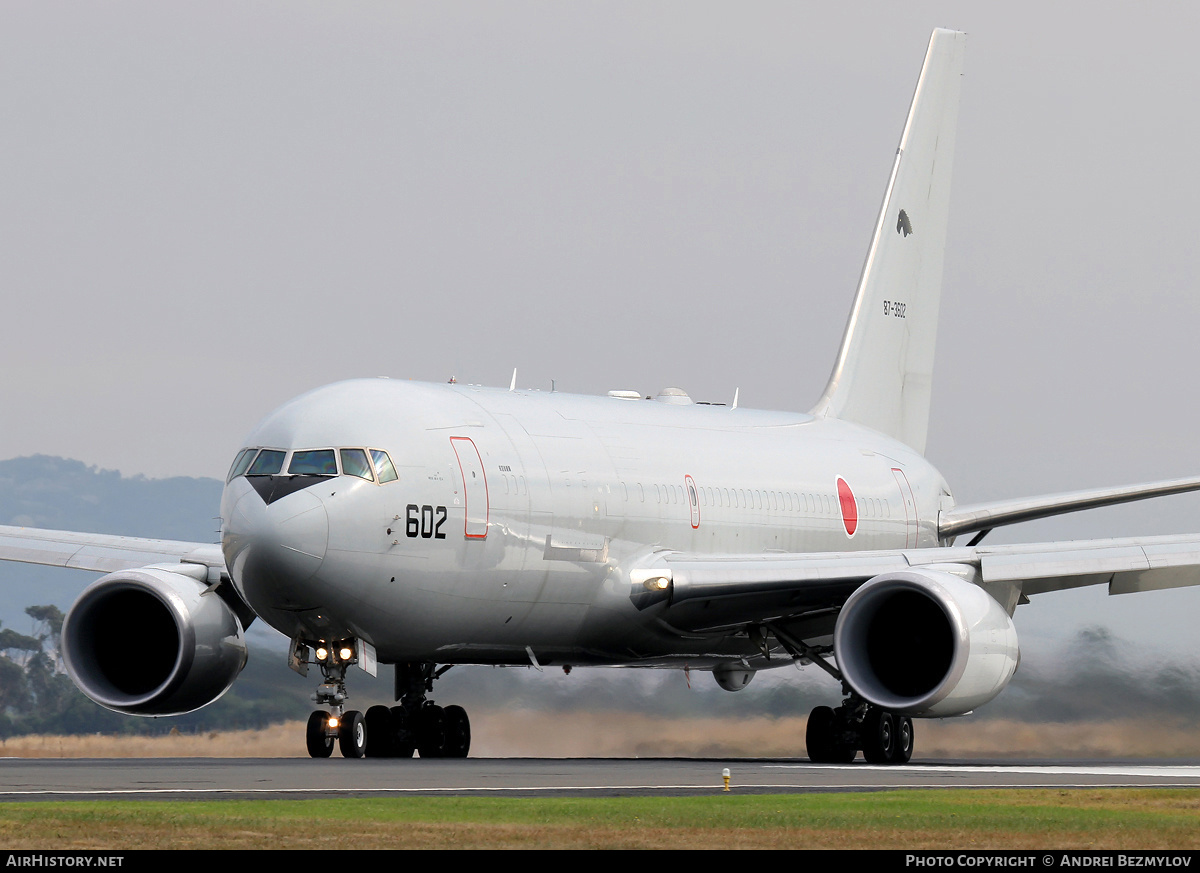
209	208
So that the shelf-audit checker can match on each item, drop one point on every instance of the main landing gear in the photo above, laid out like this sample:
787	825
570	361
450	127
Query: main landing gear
417	725
835	736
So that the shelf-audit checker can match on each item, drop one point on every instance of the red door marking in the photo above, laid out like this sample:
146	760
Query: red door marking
849	507
477	504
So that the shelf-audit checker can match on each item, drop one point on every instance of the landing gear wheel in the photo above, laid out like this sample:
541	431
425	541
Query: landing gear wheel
822	741
320	744
352	735
458	732
818	736
380	736
878	736
402	734
904	739
431	731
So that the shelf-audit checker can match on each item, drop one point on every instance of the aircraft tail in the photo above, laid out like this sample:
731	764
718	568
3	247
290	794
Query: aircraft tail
882	376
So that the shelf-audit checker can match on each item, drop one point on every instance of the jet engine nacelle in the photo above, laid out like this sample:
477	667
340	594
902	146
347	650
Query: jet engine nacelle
152	642
925	642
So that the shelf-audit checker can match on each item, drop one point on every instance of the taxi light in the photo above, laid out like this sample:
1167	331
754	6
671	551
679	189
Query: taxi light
345	653
333	721
322	653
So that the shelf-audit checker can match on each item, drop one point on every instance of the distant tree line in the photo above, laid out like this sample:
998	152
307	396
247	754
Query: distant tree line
37	696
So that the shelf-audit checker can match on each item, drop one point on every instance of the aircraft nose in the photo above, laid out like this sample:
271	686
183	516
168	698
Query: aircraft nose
272	548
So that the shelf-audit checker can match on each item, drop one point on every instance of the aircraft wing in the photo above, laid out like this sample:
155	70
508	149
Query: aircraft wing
705	593
983	517
103	552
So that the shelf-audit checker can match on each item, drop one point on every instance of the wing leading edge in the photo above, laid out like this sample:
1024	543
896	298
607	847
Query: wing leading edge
104	552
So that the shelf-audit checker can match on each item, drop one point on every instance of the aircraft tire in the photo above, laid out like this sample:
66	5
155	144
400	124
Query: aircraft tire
352	735
818	736
380	736
878	736
903	750
458	732
431	731
320	745
403	745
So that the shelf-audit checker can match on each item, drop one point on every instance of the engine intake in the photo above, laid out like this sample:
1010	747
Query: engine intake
152	642
925	642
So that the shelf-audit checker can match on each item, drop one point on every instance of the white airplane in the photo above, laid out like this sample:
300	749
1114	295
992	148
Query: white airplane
429	525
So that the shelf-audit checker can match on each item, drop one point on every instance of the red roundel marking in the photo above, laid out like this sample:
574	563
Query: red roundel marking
849	507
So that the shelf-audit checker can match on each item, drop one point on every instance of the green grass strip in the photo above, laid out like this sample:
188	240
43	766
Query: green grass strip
935	819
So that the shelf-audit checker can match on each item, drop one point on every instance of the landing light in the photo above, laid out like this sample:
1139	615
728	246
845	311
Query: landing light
652	579
345	653
322	653
333	722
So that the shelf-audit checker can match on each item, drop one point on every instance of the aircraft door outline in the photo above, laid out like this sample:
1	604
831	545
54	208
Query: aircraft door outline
910	508
477	508
693	497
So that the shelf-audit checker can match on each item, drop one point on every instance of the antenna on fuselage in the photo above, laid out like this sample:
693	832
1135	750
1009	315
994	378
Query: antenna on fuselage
735	397
533	659
512	386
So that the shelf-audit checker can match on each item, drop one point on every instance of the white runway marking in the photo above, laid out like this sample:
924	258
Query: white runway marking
1150	770
220	779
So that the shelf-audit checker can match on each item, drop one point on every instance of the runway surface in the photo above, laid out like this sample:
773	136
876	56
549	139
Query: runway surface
214	778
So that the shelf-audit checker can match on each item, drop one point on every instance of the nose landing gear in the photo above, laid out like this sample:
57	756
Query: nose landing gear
348	727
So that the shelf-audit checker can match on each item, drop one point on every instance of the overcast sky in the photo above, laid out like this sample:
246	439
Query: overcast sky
206	209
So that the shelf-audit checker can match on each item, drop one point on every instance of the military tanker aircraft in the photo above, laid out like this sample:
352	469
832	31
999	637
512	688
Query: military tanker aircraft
382	521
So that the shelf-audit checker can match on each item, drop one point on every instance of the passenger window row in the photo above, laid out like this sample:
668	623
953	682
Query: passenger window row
746	498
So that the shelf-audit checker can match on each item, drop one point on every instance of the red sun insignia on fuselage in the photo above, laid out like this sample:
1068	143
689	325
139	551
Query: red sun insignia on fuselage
849	507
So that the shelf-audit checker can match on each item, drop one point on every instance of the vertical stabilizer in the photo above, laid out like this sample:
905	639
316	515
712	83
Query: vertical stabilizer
882	375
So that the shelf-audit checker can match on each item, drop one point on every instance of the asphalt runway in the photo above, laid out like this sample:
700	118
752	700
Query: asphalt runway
216	778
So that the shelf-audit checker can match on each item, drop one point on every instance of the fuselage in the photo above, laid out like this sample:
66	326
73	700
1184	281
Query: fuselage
514	515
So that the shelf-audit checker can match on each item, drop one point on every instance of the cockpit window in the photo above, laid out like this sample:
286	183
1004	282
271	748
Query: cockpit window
383	466
319	462
268	463
354	463
241	463
315	462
